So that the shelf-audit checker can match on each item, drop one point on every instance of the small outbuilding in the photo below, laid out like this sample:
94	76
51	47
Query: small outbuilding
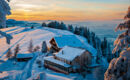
24	57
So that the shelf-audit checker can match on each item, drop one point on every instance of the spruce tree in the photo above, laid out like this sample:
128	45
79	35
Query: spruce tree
4	10
62	26
44	47
70	28
119	68
76	31
44	24
123	40
30	48
81	31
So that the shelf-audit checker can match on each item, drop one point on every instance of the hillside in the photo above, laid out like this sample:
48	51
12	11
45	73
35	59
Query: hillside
22	36
28	69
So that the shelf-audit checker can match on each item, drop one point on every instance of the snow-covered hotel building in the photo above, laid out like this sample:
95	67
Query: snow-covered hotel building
72	55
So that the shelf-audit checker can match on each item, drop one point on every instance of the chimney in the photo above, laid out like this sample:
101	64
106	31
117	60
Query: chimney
62	52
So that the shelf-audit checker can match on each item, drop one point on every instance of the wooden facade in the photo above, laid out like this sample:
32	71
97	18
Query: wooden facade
54	46
57	67
85	59
23	59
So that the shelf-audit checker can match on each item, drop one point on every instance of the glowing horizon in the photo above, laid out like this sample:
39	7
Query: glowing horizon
73	10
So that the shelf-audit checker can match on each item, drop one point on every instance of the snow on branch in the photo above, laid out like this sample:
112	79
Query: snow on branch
4	10
123	40
121	26
8	37
121	43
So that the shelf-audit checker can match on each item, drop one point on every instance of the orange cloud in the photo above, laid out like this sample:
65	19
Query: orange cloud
67	14
66	10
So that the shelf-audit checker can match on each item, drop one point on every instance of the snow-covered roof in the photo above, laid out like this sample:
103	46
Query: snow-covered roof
73	41
69	40
70	53
51	59
30	55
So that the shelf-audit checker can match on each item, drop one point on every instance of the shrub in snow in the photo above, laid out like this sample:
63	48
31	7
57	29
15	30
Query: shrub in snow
30	48
44	47
9	53
36	49
39	63
99	72
41	76
44	24
119	68
32	27
16	50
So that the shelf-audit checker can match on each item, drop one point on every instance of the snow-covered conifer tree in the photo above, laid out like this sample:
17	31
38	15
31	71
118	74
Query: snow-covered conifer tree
44	47
70	28
4	10
63	26
81	29
30	48
119	68
98	47
44	24
123	39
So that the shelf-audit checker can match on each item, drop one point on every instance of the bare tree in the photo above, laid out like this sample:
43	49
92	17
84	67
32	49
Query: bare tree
16	50
30	48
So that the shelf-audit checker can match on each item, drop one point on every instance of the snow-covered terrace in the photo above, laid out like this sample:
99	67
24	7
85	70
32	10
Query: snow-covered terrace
51	59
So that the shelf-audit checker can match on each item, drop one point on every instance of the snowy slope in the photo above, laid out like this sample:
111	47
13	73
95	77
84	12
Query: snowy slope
22	36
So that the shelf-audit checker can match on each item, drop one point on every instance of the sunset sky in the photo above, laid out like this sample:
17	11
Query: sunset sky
70	10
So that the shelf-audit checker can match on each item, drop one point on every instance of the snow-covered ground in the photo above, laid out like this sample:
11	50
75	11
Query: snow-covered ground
30	69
